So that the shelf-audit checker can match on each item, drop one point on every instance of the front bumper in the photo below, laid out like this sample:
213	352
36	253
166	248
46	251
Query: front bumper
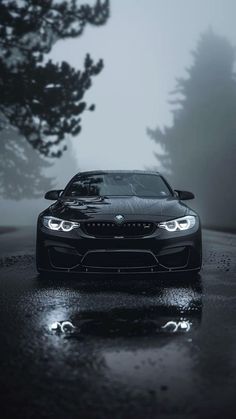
162	251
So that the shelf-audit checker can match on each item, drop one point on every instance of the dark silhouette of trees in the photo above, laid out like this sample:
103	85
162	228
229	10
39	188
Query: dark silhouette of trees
44	101
198	150
22	169
25	173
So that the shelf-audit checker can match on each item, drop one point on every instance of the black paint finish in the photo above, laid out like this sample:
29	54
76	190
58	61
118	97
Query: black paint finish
73	251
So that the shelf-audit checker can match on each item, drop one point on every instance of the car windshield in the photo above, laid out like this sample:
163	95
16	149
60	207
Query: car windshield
118	184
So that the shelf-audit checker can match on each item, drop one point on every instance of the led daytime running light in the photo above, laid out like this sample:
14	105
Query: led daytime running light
180	224
57	224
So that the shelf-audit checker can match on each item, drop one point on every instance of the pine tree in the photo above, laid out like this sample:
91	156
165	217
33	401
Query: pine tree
199	148
22	169
41	103
44	100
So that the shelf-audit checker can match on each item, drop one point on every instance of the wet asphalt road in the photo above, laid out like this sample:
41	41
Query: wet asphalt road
136	347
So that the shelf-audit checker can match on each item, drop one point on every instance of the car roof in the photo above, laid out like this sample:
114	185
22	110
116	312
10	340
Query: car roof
95	172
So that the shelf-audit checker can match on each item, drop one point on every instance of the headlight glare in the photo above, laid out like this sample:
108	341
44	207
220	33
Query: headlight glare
180	224
53	223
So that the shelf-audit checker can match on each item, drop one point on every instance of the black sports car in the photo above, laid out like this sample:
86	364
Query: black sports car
118	222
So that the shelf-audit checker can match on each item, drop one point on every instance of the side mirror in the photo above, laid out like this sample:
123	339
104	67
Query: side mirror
53	195
184	195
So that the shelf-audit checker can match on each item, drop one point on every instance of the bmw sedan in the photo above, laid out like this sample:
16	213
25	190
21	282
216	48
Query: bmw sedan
118	222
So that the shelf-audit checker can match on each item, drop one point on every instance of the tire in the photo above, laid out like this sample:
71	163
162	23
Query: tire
192	276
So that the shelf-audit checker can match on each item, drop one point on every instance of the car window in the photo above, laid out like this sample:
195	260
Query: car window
118	184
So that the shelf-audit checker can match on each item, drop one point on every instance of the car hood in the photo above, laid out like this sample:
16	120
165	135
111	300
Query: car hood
133	206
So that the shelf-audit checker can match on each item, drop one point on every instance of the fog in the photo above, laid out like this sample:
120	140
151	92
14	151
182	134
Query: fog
145	46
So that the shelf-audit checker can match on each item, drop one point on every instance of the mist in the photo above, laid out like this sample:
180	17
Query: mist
145	47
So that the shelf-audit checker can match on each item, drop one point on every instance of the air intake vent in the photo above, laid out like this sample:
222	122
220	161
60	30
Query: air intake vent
119	259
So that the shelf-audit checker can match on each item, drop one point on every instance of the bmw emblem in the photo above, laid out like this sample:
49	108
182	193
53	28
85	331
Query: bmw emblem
119	219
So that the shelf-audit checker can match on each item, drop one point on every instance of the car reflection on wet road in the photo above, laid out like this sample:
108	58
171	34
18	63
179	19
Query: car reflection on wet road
120	347
169	309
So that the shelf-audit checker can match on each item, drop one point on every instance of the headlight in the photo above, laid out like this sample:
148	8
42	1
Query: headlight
184	223
60	225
